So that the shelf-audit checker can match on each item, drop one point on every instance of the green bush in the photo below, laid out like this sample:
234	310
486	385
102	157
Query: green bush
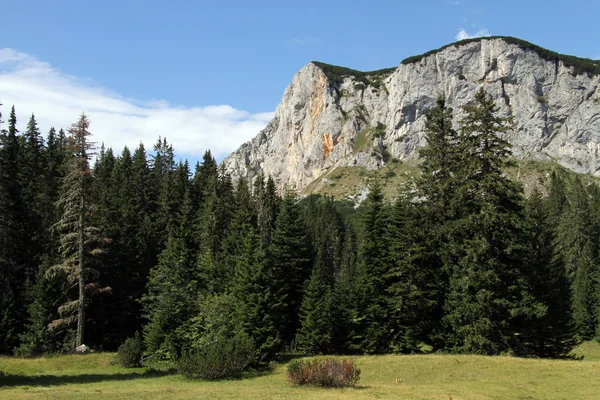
130	353
220	359
323	371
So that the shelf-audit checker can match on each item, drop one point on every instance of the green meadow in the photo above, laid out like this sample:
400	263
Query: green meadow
432	376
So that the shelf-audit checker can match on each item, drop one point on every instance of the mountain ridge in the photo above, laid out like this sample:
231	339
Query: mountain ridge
333	116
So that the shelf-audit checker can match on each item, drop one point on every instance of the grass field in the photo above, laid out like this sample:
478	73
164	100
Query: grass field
447	377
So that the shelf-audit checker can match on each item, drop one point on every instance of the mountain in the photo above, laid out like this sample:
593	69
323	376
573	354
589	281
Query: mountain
336	120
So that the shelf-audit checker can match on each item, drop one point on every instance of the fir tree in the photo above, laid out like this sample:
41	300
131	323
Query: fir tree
289	261
577	233
348	299
486	288
12	237
374	256
316	321
550	331
79	240
412	283
254	298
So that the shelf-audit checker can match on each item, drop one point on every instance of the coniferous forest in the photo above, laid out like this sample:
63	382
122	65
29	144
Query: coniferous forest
97	245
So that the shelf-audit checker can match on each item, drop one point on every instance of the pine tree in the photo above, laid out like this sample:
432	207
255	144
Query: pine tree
12	237
46	295
374	256
171	294
254	298
550	331
267	208
213	222
485	283
289	261
243	218
79	240
412	283
32	175
437	182
557	199
316	321
435	199
203	174
163	166
348	299
579	250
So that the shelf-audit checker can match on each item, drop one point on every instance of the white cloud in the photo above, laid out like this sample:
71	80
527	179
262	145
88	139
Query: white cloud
462	34
57	99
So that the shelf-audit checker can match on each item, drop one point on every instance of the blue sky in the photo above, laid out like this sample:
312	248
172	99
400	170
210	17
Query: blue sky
210	74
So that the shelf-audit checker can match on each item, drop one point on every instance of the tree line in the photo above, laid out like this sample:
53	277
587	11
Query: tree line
460	262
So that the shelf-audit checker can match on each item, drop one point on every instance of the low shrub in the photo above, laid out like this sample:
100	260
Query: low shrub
221	359
131	351
323	371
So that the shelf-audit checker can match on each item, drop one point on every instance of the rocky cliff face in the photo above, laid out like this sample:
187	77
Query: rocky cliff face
331	117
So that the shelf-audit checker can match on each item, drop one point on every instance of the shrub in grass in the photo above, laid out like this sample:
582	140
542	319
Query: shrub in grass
131	351
323	371
223	358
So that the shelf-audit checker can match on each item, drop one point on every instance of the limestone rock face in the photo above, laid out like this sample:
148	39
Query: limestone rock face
323	123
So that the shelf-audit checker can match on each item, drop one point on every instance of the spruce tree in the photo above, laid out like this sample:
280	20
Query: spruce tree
348	299
170	298
412	283
579	250
213	221
316	320
254	298
12	237
374	257
437	207
243	219
79	240
289	260
267	204
485	283
46	295
550	331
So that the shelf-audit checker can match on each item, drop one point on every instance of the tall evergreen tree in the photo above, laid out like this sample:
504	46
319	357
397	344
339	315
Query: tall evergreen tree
579	249
348	299
172	291
289	261
79	239
486	288
46	295
437	209
316	320
550	332
32	174
412	282
254	298
374	256
12	237
214	219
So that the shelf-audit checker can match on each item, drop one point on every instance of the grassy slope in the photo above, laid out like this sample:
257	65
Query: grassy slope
347	182
407	377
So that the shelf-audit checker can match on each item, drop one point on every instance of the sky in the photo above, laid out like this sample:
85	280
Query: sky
208	75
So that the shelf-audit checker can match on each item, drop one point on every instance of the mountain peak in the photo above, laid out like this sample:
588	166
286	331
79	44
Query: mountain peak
335	117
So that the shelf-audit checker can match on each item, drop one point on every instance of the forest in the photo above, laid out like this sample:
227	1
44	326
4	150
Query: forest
96	246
